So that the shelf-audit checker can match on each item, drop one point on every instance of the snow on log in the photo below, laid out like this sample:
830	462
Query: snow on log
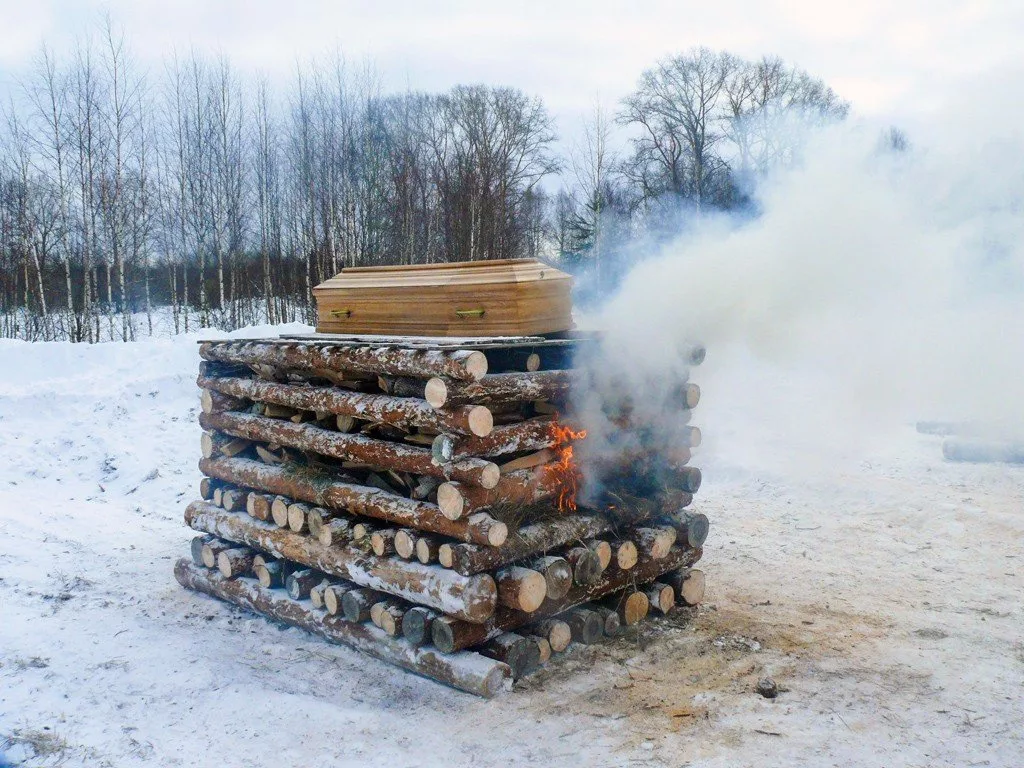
500	388
450	634
377	453
691	529
385	409
527	486
465	671
460	365
472	598
356	499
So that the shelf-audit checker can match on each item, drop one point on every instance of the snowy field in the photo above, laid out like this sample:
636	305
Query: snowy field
878	585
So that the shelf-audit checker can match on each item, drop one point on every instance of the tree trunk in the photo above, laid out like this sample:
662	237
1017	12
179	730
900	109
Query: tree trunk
463	365
471	598
384	454
396	411
500	388
466	671
356	499
451	634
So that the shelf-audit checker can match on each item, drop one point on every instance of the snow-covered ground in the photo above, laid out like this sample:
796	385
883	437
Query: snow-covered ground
878	585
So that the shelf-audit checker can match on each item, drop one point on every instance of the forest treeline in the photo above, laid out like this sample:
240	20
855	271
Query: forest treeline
207	198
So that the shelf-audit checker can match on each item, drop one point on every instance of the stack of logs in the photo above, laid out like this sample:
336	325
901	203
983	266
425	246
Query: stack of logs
418	503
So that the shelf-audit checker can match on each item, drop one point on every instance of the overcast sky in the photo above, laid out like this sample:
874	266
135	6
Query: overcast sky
892	59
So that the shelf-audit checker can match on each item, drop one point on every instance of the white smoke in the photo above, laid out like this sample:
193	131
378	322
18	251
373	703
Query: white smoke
875	288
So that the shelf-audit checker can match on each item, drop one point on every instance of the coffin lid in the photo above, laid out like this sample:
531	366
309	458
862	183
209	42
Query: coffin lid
462	273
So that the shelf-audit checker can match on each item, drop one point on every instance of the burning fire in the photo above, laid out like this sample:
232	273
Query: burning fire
564	469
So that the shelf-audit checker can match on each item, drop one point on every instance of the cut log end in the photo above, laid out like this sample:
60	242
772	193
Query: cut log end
450	501
692	588
480	420
626	555
476	365
435	392
521	589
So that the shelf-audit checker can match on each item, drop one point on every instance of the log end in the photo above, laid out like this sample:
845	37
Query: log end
435	392
634	608
692	589
697	528
480	420
489	475
476	365
450	500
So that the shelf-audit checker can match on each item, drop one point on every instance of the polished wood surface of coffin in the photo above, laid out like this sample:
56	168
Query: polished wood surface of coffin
479	298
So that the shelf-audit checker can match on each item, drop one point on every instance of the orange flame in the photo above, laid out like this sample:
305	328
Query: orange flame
564	469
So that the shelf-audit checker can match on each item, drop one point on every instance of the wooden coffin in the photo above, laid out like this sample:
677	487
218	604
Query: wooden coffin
509	297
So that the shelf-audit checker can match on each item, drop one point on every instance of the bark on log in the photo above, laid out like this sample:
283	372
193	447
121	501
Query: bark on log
655	542
631	606
661	596
461	365
333	596
258	505
587	626
688	584
537	537
212	549
356	499
521	655
543	646
466	671
471	598
378	453
586	565
452	635
357	604
235	562
611	621
212	401
198	542
556	631
299	583
525	487
382	409
530	435
416	624
557	574
500	388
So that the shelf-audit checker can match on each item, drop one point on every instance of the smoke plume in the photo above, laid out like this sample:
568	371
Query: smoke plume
876	287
